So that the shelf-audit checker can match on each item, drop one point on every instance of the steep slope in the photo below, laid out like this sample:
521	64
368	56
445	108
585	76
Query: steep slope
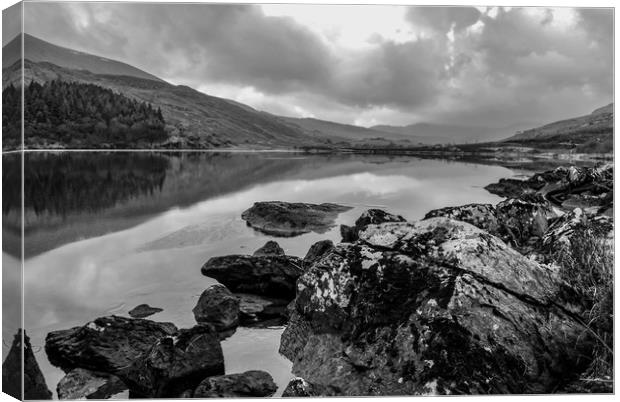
589	133
37	50
194	119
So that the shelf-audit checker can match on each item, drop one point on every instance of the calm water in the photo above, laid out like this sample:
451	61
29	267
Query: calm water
106	232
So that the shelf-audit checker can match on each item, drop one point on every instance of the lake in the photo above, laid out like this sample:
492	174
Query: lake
105	232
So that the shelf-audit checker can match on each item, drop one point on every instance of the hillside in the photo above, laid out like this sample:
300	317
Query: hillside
589	133
193	119
442	133
80	116
37	50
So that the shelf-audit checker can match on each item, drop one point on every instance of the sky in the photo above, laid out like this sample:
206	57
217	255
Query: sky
364	64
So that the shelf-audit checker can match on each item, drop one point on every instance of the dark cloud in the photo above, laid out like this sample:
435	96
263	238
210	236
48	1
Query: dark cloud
11	22
236	43
496	68
397	75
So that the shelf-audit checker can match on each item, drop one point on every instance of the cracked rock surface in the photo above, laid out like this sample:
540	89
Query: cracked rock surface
432	307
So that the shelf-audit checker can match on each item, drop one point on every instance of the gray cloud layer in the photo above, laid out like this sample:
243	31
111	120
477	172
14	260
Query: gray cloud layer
466	66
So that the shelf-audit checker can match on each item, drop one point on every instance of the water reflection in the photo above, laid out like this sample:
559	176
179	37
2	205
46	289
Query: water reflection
147	236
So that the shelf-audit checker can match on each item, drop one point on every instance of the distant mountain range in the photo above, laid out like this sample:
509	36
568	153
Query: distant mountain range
348	132
197	120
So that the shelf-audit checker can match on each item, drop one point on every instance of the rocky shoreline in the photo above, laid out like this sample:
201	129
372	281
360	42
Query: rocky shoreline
472	299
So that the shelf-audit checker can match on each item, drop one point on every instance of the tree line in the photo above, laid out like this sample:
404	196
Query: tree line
78	115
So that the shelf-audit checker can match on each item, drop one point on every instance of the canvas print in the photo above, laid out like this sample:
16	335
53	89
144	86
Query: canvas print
299	200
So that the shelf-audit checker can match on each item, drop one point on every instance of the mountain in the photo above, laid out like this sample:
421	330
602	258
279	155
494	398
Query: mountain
444	133
37	50
589	133
353	133
193	119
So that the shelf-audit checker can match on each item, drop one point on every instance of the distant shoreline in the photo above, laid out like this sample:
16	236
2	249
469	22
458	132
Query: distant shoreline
355	151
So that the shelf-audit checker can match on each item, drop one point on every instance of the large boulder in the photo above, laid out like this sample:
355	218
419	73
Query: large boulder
272	276
175	364
218	307
106	344
14	372
249	384
433	307
86	384
285	219
369	217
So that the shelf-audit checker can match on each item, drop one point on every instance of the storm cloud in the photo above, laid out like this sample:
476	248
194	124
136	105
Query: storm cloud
474	66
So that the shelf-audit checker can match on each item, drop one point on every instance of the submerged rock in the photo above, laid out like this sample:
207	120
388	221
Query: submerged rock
272	275
175	364
285	219
252	383
86	384
369	217
433	307
270	248
14	372
106	344
143	311
218	307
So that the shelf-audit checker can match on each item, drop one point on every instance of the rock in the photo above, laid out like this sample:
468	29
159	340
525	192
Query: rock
316	251
510	188
482	216
524	220
106	344
298	387
260	311
270	248
569	187
252	383
285	219
175	364
371	216
13	372
559	236
143	311
432	307
86	384
375	217
272	276
218	307
348	233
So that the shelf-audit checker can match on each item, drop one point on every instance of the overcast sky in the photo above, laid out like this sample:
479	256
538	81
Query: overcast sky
362	64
